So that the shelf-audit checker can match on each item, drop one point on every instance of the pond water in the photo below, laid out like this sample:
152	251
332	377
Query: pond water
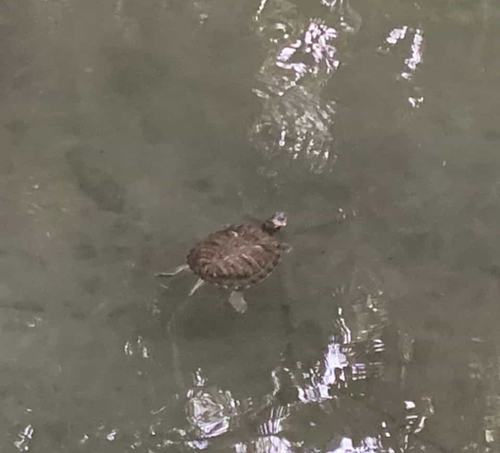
130	130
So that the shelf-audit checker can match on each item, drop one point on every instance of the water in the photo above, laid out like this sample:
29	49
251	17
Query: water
131	130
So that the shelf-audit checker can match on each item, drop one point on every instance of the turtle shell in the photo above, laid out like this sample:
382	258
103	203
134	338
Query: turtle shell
236	257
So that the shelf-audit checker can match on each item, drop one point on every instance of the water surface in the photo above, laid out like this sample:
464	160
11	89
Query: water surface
131	130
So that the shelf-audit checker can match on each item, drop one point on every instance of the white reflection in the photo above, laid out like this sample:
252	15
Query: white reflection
349	20
316	42
111	436
339	365
199	444
416	54
329	371
367	445
413	61
296	124
83	440
295	120
261	7
138	347
352	353
410	405
128	348
273	444
274	425
396	35
24	438
415	102
209	410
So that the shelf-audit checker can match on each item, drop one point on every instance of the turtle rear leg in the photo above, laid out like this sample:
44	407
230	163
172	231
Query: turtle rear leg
177	270
197	285
238	302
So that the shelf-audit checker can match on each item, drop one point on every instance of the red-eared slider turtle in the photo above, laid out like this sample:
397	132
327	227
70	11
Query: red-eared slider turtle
236	257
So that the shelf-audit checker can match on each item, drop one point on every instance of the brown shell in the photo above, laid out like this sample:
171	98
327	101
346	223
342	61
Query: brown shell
235	257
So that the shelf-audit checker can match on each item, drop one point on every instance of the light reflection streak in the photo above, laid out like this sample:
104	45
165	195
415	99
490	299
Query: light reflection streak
24	438
322	394
416	56
316	42
356	353
332	369
273	444
210	411
367	445
84	439
413	61
261	8
396	34
111	436
139	348
334	364
295	120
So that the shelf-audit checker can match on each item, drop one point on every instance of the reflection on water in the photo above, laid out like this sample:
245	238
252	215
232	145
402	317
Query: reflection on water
24	439
336	404
411	63
302	56
304	53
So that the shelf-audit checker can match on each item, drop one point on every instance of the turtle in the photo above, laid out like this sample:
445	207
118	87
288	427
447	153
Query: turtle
236	257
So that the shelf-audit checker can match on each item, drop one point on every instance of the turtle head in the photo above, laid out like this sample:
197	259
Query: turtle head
275	223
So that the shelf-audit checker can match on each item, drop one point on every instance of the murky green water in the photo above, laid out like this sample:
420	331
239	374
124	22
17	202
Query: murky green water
132	129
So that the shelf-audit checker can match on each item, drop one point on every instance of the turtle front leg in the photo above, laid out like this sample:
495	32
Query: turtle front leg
177	270
238	302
